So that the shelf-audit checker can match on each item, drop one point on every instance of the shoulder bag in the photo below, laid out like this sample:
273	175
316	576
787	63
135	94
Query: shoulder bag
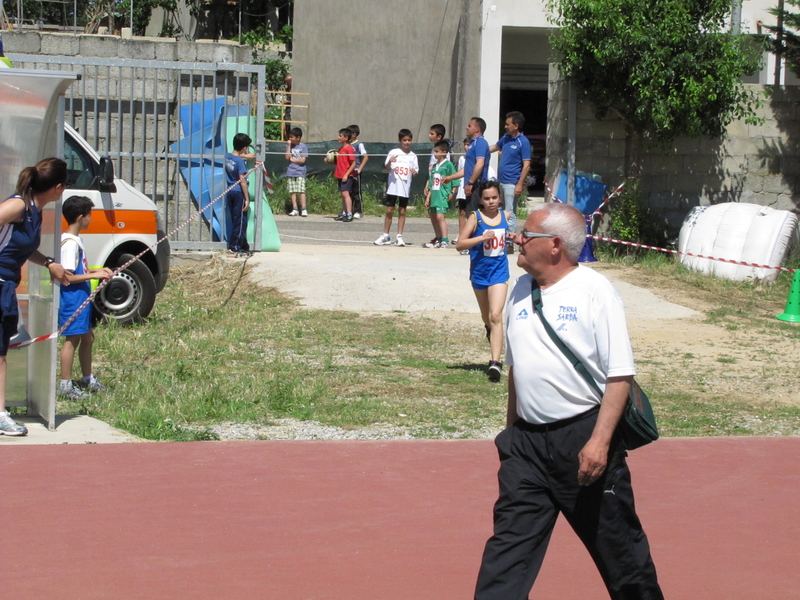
637	426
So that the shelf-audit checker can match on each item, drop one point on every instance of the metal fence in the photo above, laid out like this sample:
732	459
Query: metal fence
166	126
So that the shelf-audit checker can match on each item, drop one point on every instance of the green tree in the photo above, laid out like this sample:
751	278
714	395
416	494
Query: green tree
786	42
668	68
142	11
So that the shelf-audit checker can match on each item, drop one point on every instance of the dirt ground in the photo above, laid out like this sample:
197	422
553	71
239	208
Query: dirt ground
678	351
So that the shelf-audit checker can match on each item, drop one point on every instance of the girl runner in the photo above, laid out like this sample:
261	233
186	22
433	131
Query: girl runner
484	235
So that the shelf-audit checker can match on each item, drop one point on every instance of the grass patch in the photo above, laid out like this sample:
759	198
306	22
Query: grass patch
201	361
324	199
219	348
732	304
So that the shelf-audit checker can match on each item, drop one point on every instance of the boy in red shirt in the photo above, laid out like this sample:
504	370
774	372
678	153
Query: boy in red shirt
345	163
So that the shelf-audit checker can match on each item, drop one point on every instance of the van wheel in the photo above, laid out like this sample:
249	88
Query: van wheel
129	296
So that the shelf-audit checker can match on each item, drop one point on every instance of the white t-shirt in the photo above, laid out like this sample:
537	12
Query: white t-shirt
587	313
401	173
71	249
460	195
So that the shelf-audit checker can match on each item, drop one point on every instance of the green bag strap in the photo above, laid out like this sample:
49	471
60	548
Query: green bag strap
536	299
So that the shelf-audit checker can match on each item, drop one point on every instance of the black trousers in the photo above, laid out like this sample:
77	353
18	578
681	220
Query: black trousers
355	195
238	219
538	480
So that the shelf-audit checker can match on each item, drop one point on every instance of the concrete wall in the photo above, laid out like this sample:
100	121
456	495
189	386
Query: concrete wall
138	48
384	65
500	18
759	164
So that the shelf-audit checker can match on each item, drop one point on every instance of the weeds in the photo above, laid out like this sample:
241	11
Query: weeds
195	365
262	358
324	198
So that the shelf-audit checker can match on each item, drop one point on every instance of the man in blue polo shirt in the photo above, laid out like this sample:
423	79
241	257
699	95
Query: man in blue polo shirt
515	162
476	164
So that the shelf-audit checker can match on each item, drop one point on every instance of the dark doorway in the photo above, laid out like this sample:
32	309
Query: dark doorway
531	103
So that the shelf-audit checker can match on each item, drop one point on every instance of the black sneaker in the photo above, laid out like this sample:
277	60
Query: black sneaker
347	219
494	371
339	217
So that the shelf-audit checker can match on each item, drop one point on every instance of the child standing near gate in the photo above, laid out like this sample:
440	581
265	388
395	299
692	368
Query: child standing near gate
238	197
297	155
77	211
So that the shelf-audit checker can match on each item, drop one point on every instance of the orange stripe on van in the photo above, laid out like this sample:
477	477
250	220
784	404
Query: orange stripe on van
120	221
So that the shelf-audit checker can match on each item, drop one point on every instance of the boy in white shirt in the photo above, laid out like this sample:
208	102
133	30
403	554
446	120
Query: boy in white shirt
402	165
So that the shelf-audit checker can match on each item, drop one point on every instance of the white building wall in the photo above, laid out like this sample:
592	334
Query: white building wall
496	14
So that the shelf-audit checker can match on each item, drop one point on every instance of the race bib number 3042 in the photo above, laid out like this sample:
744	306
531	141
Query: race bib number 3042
497	245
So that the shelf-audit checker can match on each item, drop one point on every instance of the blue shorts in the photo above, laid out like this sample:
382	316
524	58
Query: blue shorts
9	314
71	299
480	286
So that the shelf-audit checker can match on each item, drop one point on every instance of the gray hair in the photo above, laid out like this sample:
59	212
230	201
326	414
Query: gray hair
566	222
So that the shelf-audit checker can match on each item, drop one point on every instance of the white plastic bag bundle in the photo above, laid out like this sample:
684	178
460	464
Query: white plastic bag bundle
737	231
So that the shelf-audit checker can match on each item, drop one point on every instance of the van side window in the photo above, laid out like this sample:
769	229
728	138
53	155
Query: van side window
79	166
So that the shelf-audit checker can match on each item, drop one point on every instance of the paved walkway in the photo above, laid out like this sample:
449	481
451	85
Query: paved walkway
369	520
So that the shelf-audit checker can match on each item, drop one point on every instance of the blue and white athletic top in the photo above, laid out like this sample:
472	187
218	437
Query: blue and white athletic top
18	241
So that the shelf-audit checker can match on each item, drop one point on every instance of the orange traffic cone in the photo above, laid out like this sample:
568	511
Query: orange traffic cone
792	311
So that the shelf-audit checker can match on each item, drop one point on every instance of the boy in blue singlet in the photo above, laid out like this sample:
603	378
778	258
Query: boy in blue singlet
77	211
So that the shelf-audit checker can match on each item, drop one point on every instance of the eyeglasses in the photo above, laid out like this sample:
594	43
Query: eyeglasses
531	234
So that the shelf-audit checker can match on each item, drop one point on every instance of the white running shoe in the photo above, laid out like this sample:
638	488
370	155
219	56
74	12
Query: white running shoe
304	213
400	241
356	215
9	427
294	213
383	240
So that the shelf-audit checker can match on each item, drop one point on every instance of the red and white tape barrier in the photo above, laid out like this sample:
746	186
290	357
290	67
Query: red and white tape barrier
616	192
671	251
104	282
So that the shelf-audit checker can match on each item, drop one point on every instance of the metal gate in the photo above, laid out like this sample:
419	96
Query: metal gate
167	127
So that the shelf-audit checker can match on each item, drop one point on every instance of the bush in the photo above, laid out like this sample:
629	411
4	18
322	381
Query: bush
323	197
631	219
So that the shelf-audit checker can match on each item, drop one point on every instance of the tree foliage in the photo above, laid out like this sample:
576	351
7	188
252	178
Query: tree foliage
789	45
668	68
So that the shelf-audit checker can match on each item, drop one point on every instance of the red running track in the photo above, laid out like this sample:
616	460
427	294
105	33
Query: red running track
333	520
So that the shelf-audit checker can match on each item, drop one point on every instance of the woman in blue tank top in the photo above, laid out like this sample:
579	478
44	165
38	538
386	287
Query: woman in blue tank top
484	235
20	232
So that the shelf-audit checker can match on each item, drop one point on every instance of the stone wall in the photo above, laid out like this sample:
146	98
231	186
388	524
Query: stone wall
137	48
759	164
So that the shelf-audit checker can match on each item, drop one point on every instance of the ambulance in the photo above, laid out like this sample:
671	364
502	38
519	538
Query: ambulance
125	223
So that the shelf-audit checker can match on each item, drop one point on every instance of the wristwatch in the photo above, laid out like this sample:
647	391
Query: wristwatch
48	261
